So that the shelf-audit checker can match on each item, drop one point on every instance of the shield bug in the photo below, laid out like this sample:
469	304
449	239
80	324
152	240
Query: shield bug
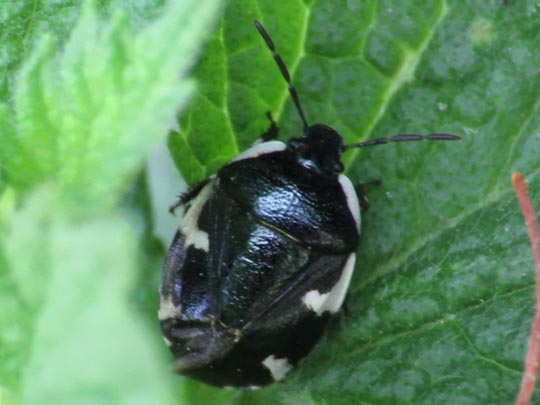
264	254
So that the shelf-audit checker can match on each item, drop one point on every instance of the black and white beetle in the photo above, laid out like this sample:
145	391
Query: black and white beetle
263	256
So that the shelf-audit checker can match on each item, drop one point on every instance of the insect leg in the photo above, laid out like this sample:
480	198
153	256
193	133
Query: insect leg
361	192
272	132
190	194
345	307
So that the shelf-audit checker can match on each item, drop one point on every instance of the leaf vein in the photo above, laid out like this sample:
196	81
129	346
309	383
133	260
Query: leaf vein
403	75
397	260
504	167
224	107
385	339
479	353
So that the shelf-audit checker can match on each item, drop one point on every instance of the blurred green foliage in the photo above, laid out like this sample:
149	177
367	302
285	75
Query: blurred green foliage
81	113
441	301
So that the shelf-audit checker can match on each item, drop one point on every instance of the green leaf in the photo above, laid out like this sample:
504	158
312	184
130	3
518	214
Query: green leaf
80	117
74	251
441	301
86	343
23	23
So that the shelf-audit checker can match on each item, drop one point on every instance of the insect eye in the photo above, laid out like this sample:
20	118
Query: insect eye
338	167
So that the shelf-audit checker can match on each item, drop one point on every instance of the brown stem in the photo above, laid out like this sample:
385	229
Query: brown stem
533	352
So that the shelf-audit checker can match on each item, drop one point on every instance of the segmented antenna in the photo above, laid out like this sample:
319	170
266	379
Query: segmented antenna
284	71
403	138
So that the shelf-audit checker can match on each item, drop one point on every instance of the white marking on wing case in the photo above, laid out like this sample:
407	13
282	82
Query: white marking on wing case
278	367
333	299
189	227
167	310
260	149
352	198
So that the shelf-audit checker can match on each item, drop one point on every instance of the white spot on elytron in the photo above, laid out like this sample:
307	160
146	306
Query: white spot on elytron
278	367
332	300
195	236
352	198
167	310
260	149
315	301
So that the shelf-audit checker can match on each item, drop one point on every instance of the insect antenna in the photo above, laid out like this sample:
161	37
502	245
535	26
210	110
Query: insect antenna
284	71
403	138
